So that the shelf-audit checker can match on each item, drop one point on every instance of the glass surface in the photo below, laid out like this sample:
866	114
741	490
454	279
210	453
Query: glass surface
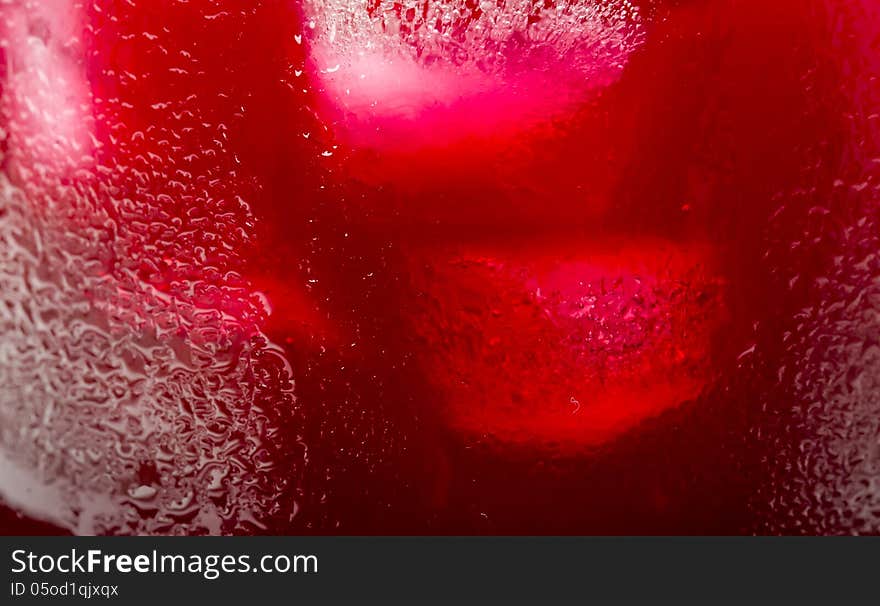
439	266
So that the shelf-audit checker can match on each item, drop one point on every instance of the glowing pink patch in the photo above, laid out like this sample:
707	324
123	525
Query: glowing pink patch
386	90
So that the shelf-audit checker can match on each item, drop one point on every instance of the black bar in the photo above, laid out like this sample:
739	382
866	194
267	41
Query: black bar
481	570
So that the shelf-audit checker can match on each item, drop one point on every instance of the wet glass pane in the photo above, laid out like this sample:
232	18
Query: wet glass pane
439	266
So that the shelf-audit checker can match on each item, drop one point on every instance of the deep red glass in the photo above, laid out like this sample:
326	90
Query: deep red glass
628	288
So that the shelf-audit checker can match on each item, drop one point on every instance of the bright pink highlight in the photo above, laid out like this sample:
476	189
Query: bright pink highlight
400	105
398	78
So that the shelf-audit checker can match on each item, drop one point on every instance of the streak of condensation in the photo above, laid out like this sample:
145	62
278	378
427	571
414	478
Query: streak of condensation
124	409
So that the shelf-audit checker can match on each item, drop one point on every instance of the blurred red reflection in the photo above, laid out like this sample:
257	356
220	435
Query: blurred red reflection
531	267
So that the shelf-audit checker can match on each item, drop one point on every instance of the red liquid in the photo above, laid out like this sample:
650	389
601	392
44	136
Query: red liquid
550	301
